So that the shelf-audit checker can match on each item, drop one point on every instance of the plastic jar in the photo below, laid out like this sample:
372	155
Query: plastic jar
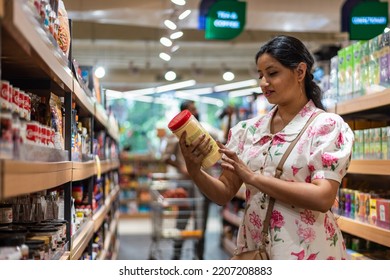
10	246
185	121
6	216
36	249
50	232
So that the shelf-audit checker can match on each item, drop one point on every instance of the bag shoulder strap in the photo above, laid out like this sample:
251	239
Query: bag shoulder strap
279	171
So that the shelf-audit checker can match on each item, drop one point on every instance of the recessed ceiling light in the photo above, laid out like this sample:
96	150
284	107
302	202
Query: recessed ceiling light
165	41
170	76
184	14
176	35
179	2
170	24
165	56
100	72
228	76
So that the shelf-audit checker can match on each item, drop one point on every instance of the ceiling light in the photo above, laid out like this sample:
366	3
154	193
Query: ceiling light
100	72
139	92
165	56
174	86
242	84
244	92
165	41
176	35
182	95
212	101
228	76
175	48
170	76
179	2
198	91
387	29
184	14
170	24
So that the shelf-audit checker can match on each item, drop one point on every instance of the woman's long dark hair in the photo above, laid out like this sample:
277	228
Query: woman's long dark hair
290	51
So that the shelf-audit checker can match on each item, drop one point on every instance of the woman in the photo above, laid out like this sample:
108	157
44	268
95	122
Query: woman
302	226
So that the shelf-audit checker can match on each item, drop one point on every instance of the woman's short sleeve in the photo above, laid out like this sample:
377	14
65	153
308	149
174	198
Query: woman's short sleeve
331	150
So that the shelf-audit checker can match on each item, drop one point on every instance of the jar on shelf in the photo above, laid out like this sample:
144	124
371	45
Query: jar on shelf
10	246
6	215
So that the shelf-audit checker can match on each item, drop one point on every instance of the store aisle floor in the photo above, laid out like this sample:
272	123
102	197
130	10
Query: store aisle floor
136	240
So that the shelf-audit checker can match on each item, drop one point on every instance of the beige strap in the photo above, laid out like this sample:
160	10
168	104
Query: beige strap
279	171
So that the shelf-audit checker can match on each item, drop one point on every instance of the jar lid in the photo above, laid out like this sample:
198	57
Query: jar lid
14	230
11	240
43	229
55	221
179	120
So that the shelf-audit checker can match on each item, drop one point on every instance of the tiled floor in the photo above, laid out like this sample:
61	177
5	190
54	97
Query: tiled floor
136	240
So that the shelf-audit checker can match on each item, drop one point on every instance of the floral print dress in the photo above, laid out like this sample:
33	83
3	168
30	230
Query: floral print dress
323	151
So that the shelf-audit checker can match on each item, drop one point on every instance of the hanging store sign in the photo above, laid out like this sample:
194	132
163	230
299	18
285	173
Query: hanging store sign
368	20
225	20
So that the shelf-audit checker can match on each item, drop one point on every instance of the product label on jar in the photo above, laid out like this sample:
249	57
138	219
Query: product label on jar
6	215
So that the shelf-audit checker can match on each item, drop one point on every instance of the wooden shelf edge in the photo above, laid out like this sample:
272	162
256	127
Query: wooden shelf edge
366	102
98	217
84	100
371	167
365	231
134	215
83	170
112	196
65	256
21	177
82	241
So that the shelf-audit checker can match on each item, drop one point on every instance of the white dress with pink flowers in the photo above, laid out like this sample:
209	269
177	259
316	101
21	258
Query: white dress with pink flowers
322	152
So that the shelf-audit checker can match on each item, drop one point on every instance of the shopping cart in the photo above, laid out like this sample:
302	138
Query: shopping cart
177	216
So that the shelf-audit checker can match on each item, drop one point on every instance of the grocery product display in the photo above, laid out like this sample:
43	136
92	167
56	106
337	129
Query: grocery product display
58	146
135	171
65	183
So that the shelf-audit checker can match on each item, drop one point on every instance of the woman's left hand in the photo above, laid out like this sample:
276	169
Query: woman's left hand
232	162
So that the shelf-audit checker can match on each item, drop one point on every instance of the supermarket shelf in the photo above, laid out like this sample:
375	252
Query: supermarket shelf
363	103
83	170
134	215
109	237
82	240
112	196
82	99
21	24
106	165
65	256
100	115
370	167
116	251
99	216
229	246
231	218
21	177
365	231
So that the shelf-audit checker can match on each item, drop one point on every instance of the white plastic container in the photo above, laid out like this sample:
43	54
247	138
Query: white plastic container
185	121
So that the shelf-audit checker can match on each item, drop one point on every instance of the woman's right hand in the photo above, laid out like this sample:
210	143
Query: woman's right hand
195	152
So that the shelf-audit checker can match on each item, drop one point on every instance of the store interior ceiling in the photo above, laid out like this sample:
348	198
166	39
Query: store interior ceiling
123	36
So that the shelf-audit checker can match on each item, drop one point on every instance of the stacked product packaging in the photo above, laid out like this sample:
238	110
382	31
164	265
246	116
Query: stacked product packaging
360	68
